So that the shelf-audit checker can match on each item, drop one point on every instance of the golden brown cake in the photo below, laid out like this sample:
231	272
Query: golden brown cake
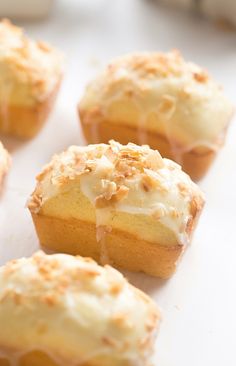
4	163
223	12
160	100
30	76
122	205
58	310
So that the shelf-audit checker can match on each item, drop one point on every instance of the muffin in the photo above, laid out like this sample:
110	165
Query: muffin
160	100
4	163
122	205
63	310
222	11
30	76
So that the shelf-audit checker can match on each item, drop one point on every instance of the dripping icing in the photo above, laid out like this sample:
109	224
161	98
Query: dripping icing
175	78
167	199
153	201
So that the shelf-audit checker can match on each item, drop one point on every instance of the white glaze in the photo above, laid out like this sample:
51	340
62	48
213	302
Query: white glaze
200	112
72	300
165	196
31	64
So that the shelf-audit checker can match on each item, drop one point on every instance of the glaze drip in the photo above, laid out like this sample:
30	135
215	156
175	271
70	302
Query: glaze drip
128	179
160	94
73	311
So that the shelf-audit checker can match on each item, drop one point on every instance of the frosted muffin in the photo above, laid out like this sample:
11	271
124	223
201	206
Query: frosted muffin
30	76
119	204
63	310
161	100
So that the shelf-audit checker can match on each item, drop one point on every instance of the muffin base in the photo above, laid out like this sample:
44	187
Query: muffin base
35	358
195	162
25	122
118	248
39	358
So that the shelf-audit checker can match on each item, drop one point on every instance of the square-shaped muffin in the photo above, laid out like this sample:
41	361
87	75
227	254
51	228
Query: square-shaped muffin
161	100
30	76
119	204
71	311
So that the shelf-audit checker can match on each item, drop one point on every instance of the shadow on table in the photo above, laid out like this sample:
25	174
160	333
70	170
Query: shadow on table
12	144
144	282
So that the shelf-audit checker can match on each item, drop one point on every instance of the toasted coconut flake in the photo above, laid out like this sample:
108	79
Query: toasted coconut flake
108	341
101	202
116	177
159	213
120	194
167	106
184	189
201	76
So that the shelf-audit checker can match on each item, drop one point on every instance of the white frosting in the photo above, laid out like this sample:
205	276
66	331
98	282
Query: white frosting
24	62
117	178
163	94
73	310
139	201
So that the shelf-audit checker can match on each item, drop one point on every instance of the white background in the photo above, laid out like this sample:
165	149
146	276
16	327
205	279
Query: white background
199	303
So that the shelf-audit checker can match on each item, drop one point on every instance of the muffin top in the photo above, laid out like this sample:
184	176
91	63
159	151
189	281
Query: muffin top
73	308
144	66
24	61
127	178
162	93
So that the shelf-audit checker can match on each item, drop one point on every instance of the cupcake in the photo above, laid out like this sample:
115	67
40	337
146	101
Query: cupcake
63	310
160	100
30	76
119	204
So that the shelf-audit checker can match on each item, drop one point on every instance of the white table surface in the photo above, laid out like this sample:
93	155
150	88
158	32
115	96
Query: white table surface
199	303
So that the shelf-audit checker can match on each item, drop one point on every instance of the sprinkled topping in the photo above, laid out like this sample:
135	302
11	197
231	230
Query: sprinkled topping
32	63
115	163
127	178
157	65
77	300
158	93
